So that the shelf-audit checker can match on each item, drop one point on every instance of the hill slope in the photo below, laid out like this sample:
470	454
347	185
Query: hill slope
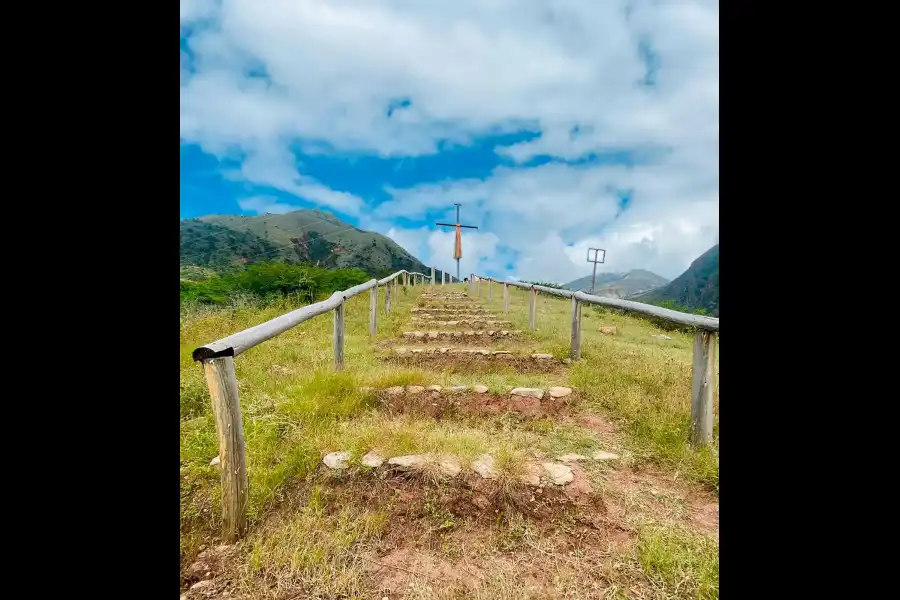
698	287
619	285
302	236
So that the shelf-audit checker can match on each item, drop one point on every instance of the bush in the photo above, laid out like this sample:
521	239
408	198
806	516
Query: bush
270	281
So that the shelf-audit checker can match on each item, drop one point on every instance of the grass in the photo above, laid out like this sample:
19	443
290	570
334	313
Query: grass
296	408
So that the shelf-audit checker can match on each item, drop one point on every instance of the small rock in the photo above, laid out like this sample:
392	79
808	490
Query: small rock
434	388
401	350
372	459
558	474
201	585
541	356
484	466
459	388
661	336
532	392
449	466
608	330
560	392
337	460
532	476
215	462
480	389
452	323
395	390
601	455
567	360
197	568
571	458
366	389
415	389
417	350
418	334
501	352
411	461
432	335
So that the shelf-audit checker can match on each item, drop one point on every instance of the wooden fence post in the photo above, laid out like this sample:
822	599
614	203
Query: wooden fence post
490	290
387	297
703	386
472	283
432	276
575	349
223	390
339	337
478	287
531	307
373	311
505	298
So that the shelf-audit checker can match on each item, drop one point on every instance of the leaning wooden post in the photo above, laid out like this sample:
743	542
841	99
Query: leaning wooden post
703	386
373	310
531	308
490	291
223	390
505	298
339	337
575	349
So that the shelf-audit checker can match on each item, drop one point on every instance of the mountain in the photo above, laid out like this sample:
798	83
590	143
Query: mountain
312	237
698	287
619	285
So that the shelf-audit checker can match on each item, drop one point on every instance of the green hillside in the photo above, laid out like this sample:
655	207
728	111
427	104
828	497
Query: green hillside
309	237
698	287
619	285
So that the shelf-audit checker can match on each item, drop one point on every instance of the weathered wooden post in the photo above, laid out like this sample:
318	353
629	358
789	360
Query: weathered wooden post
223	389
575	349
432	276
478	287
505	298
472	283
490	291
373	310
387	297
703	387
531	308
405	278
339	336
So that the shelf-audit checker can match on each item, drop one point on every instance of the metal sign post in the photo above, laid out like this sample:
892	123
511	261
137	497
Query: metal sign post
595	260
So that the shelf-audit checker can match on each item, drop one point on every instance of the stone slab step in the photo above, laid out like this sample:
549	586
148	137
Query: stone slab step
480	352
427	336
477	323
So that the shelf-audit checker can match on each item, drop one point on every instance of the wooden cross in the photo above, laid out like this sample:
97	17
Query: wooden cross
457	248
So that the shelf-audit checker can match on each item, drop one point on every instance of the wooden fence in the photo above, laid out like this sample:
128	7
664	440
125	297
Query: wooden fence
703	371
217	359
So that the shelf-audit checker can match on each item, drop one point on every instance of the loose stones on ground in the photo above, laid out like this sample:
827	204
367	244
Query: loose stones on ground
337	460
608	330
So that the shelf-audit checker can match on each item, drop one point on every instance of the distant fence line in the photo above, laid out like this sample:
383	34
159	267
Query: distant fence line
703	370
218	364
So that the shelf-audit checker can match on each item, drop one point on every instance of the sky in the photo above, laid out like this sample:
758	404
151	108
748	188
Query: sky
558	125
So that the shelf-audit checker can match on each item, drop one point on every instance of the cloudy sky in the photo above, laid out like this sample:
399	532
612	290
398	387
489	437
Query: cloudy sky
558	125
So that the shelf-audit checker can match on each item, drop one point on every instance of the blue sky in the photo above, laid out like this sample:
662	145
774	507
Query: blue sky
576	125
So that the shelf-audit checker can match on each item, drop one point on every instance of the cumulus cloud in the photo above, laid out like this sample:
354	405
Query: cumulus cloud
266	76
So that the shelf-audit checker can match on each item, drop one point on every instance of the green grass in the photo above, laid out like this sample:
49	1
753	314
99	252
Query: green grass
296	408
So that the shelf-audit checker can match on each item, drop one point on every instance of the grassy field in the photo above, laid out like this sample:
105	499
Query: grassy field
647	526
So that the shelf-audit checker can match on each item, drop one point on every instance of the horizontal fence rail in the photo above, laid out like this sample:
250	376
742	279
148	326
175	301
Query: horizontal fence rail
703	369
217	359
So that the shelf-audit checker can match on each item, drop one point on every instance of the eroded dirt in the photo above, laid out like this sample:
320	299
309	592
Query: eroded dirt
440	405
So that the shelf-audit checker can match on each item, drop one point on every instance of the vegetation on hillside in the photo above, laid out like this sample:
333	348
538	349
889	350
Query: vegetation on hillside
696	288
548	284
270	281
619	285
312	237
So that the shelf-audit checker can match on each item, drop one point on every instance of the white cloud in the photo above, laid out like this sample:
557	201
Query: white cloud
469	67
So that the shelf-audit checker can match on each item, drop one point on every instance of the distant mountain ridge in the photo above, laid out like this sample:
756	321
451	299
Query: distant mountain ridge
696	288
221	242
619	285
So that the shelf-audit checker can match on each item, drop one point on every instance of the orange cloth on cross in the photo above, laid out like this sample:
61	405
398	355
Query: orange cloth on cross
457	250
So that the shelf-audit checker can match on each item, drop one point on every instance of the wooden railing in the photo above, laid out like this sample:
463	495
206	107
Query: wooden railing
703	372
217	359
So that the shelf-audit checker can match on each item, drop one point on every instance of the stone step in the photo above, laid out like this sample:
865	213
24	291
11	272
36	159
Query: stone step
455	317
429	336
438	311
539	393
477	323
473	352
